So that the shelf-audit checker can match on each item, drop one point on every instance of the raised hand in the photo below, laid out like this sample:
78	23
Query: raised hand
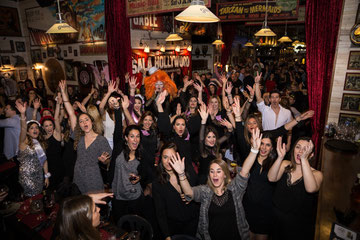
132	83
226	124
62	85
204	113
36	103
228	88
223	78
177	163
280	148
251	91
178	109
161	97
127	77
97	197
306	115
258	77
112	86
197	87
236	107
104	157
256	139
188	83
307	152
81	106
21	107
125	102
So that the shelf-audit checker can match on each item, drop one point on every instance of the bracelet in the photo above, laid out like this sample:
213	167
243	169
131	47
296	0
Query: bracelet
254	150
65	101
23	119
47	175
182	174
183	179
297	120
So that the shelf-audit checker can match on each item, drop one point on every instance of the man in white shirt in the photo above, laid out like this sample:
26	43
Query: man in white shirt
12	131
273	116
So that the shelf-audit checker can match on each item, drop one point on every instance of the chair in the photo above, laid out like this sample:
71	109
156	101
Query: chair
136	223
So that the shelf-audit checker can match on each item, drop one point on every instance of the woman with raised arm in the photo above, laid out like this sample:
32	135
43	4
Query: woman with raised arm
209	143
174	214
90	146
295	192
53	152
222	214
33	164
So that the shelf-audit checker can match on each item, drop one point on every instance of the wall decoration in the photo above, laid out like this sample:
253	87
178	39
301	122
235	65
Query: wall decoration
70	49
44	54
8	75
20	46
69	70
7	46
50	51
100	70
350	102
19	61
352	82
23	75
89	50
54	73
65	53
75	53
158	22
345	118
5	60
9	22
354	60
36	56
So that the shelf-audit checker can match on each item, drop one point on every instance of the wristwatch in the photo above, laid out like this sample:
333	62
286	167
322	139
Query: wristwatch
47	175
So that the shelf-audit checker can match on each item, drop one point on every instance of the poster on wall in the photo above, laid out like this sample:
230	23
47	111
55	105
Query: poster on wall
86	16
255	10
141	7
169	61
9	22
153	22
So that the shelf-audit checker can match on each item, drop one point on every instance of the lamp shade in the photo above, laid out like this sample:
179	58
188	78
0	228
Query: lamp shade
61	27
177	49
189	48
249	44
173	37
197	12
285	39
147	48
265	32
218	42
162	49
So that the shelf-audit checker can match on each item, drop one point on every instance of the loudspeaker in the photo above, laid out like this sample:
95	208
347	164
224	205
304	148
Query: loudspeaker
45	3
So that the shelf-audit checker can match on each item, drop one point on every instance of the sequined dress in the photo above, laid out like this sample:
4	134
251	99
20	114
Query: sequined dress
30	172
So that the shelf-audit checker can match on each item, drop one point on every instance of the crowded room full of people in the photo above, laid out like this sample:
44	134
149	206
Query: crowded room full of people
111	128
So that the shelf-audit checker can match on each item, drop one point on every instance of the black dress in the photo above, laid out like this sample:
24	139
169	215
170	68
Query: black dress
55	163
257	201
149	142
294	215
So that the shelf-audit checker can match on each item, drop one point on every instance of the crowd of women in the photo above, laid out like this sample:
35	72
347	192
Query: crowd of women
189	154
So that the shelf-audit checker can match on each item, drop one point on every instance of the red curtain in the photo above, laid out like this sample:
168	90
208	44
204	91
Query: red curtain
229	32
322	26
118	39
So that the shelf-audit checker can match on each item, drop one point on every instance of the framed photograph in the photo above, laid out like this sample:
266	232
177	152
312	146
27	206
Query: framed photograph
23	75
7	46
50	52
75	53
340	232
354	60
350	102
5	60
20	46
44	54
65	53
36	56
10	22
352	82
70	49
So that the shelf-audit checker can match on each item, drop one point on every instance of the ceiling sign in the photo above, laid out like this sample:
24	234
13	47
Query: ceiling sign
255	10
142	7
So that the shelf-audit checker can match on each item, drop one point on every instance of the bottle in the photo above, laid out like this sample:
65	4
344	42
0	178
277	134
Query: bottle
355	194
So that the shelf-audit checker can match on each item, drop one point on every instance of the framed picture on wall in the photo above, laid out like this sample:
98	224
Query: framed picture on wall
36	56
352	82
354	60
348	118
20	46
65	53
350	102
70	49
75	53
5	60
50	52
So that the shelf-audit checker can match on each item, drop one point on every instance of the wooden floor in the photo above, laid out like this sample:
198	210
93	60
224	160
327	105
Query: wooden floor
340	172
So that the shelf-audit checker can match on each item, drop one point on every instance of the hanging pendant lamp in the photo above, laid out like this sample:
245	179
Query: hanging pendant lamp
60	26
197	12
265	31
173	37
285	38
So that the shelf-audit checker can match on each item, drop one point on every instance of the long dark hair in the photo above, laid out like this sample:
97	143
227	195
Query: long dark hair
41	138
75	219
141	121
292	166
162	175
211	150
126	147
268	162
173	124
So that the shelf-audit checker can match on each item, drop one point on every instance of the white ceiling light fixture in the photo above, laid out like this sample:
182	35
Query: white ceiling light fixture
147	48
197	12
285	38
177	49
61	26
162	49
265	31
173	37
189	48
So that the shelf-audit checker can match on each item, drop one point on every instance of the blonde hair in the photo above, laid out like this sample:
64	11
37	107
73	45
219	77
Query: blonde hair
94	113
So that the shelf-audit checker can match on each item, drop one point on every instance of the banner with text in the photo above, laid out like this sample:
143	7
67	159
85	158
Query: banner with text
168	61
158	22
141	7
253	11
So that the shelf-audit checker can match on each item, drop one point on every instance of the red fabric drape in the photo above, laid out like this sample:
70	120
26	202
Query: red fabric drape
229	32
118	39
322	26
